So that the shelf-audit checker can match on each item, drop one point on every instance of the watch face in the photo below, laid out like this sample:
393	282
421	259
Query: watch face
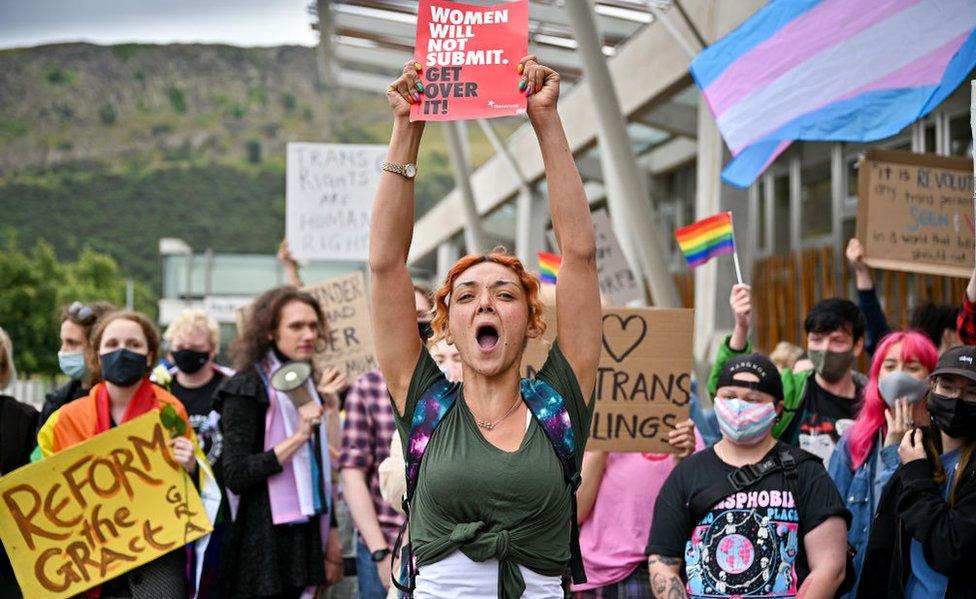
410	170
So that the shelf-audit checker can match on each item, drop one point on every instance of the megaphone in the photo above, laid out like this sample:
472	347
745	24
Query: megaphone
290	380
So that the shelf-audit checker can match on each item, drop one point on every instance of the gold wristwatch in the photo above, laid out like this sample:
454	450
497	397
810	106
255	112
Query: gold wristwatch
408	171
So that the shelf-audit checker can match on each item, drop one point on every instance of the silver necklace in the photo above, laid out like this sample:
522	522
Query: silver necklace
489	425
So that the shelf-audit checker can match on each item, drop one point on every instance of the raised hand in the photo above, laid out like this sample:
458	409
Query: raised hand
683	439
540	85
406	90
287	261
855	253
899	420
284	253
740	300
331	383
855	257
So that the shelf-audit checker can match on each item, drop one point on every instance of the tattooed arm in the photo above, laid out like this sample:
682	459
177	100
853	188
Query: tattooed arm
666	580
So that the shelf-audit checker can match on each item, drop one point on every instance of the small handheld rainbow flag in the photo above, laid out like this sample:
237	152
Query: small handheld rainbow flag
549	267
707	238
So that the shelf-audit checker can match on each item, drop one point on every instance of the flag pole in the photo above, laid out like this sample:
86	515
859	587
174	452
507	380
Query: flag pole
972	123
735	252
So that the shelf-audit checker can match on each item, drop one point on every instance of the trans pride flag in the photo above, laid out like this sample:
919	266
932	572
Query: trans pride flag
831	70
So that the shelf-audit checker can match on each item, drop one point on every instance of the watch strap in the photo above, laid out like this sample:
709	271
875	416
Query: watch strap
399	169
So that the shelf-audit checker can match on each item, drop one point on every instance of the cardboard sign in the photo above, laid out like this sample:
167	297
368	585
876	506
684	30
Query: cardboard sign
349	338
329	191
916	212
643	385
97	510
617	282
469	56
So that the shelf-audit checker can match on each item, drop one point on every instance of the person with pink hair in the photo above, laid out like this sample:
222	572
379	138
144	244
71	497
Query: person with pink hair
867	454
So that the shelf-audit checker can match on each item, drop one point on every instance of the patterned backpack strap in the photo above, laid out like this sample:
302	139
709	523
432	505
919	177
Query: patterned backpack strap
427	414
549	408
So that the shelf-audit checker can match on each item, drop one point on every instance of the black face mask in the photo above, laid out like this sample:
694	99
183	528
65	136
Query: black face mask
954	417
426	330
123	367
190	361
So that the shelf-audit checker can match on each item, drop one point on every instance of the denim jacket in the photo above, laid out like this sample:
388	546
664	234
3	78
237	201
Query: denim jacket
862	489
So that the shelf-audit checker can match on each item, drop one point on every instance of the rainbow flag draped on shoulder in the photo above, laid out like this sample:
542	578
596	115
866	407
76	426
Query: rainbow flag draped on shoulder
707	238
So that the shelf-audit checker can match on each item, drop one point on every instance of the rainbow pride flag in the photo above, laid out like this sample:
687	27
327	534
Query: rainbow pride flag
549	267
701	241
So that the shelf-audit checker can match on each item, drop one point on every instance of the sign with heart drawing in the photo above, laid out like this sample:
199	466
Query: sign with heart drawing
643	384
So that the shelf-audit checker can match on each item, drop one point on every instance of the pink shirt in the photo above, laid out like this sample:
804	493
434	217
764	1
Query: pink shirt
613	538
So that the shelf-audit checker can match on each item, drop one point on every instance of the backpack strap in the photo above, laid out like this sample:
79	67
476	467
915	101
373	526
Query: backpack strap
430	410
791	458
427	415
786	459
549	408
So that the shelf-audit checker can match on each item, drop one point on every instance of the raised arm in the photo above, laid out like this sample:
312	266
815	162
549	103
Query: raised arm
289	264
741	303
579	321
740	300
867	296
392	309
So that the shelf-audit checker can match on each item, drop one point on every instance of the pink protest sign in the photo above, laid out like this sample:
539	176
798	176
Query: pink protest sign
469	56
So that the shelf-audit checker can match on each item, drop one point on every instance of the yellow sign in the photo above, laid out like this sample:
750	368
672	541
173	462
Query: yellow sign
97	510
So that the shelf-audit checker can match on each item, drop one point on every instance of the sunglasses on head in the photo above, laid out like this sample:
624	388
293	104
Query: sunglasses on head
81	313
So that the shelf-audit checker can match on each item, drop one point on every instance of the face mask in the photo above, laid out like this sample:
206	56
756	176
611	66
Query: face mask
123	367
743	422
426	330
831	365
73	364
900	384
954	417
190	361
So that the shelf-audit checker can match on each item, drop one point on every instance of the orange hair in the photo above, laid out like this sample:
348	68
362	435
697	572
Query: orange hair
529	283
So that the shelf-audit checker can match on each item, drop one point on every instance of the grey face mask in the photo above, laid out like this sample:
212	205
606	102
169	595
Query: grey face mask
900	384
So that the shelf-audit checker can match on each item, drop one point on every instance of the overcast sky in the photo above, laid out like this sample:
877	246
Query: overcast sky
237	22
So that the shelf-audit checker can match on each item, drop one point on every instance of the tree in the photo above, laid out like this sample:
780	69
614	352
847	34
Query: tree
35	286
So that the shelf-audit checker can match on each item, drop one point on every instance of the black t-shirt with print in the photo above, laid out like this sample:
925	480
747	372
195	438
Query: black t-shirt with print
198	402
822	419
751	543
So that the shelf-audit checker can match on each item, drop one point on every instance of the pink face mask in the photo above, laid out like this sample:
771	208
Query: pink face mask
743	422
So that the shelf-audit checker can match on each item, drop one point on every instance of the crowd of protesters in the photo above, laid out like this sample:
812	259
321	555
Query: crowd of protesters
800	478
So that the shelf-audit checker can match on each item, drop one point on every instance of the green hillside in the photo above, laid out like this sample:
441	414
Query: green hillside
113	147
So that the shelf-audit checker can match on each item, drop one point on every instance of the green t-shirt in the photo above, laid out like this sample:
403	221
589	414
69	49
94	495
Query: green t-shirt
515	507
